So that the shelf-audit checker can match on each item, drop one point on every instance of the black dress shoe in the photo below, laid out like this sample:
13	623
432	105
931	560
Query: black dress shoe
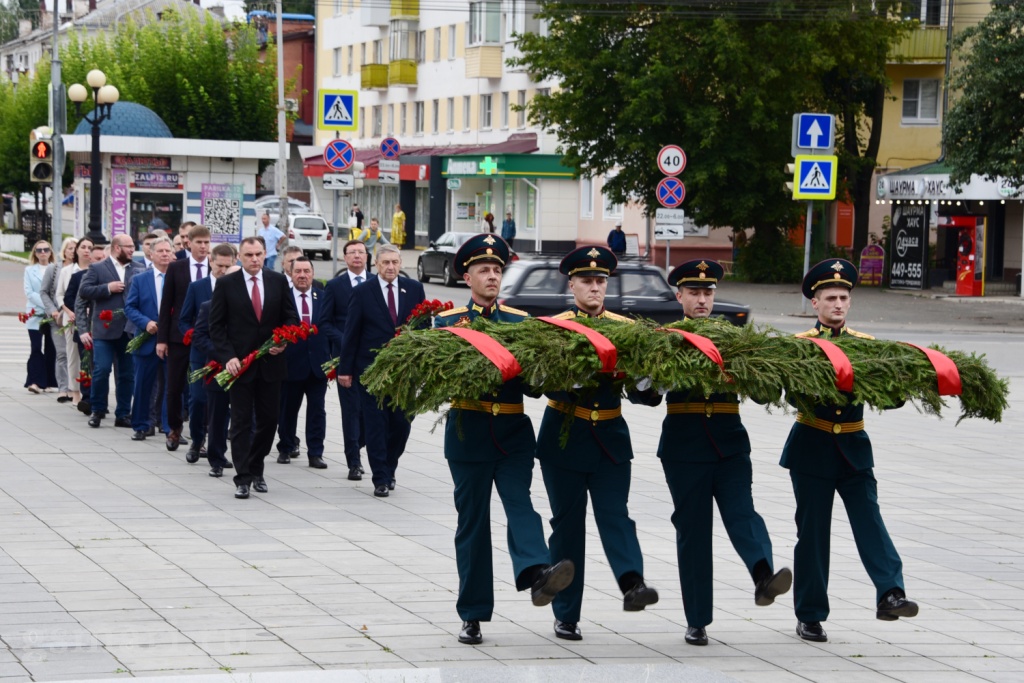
192	456
769	588
553	579
123	422
84	406
567	630
64	399
696	635
216	471
894	605
241	491
95	419
139	436
317	463
151	431
182	441
229	465
283	459
381	491
391	484
172	440
470	633
811	630
355	474
259	485
638	597
294	454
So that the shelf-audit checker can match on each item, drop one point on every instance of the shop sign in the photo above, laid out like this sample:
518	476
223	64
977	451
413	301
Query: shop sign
157	180
221	211
119	202
134	162
908	246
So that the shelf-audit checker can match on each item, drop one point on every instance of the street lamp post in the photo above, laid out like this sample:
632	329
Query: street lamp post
104	96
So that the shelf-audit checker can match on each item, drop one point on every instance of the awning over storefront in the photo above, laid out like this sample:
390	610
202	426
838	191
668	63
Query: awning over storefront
505	165
519	143
931	182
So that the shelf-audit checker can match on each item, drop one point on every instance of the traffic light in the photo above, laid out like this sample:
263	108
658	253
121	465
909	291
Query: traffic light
791	172
41	161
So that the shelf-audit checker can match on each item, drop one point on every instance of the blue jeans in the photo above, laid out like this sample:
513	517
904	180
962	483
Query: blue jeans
104	353
269	262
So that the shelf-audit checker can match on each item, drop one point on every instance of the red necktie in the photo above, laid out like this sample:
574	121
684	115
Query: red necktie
392	309
257	305
305	309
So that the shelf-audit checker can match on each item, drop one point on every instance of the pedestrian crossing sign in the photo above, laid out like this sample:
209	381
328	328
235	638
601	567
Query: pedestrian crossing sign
815	177
338	110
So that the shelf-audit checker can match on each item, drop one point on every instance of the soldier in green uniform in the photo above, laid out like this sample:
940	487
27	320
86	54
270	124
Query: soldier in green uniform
827	453
596	460
488	441
705	453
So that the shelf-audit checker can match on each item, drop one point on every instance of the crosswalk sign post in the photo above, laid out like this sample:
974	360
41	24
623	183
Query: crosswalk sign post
815	177
337	110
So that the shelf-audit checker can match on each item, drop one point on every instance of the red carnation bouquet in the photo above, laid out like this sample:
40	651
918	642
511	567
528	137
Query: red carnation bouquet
187	339
424	312
25	317
286	334
209	371
84	378
330	368
107	316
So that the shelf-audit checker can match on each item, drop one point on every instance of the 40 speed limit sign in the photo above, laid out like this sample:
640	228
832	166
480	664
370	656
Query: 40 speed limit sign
671	160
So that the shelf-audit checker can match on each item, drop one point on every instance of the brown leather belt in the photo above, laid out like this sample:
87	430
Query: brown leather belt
585	413
487	407
826	426
707	409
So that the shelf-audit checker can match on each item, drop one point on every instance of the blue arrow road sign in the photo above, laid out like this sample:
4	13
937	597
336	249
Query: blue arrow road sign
815	177
816	131
338	154
671	192
389	148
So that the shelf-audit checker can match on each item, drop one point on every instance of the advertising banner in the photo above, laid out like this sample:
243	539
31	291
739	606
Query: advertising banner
908	249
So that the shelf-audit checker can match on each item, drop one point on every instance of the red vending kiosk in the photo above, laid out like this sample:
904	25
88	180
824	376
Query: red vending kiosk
970	254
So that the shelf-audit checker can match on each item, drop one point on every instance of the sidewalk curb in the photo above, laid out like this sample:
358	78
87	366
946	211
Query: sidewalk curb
4	256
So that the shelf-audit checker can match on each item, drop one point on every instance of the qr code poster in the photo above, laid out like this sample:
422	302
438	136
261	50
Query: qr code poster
222	212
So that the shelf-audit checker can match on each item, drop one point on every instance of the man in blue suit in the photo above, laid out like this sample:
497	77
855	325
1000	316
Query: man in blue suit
306	377
222	258
105	284
142	308
377	308
337	294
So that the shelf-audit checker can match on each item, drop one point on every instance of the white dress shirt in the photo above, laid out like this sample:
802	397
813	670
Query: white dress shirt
298	302
118	267
384	291
362	278
205	263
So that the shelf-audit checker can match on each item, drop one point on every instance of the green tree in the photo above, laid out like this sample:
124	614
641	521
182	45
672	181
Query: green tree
21	111
723	84
982	132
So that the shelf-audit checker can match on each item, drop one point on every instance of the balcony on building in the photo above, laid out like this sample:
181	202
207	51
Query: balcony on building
405	9
483	50
922	45
373	77
405	50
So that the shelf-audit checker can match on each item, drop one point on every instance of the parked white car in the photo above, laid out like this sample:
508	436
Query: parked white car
310	233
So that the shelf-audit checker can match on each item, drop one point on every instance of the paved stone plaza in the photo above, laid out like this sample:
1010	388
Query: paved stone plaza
119	559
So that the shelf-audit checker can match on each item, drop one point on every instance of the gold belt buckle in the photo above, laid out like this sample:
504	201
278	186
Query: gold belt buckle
495	408
837	428
709	408
595	415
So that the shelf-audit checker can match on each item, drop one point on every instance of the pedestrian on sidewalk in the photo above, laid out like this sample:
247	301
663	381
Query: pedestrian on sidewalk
55	311
41	374
79	259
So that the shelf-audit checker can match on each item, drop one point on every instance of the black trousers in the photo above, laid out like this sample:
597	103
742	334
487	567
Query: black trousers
256	401
177	378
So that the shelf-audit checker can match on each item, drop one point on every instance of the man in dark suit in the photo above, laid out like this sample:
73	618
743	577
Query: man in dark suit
221	258
377	308
705	452
81	309
217	404
306	377
829	452
170	346
246	308
337	294
142	308
183	231
105	284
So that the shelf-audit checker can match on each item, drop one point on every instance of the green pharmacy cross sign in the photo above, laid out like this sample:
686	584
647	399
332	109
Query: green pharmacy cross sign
488	167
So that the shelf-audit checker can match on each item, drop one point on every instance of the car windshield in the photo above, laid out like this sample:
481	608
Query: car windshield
309	223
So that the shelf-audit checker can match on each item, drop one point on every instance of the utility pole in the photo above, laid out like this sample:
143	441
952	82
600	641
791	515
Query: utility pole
282	148
58	122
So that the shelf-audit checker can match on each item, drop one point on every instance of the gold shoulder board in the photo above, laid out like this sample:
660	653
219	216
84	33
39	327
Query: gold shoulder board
565	315
514	311
813	332
618	318
855	333
455	311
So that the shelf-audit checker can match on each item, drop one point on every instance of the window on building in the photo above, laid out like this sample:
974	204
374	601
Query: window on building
362	123
451	41
436	116
378	52
403	121
451	114
362	54
391	119
378	123
928	12
521	114
418	118
504	110
421	47
402	40
437	44
485	112
351	53
611	209
543	92
921	100
337	61
520	18
586	197
465	112
484	22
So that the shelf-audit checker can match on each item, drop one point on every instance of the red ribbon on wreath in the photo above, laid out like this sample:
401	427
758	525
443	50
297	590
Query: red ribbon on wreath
840	363
946	372
491	349
702	344
606	351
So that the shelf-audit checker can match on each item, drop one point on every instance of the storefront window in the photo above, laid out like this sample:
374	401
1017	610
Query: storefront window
155	210
531	207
